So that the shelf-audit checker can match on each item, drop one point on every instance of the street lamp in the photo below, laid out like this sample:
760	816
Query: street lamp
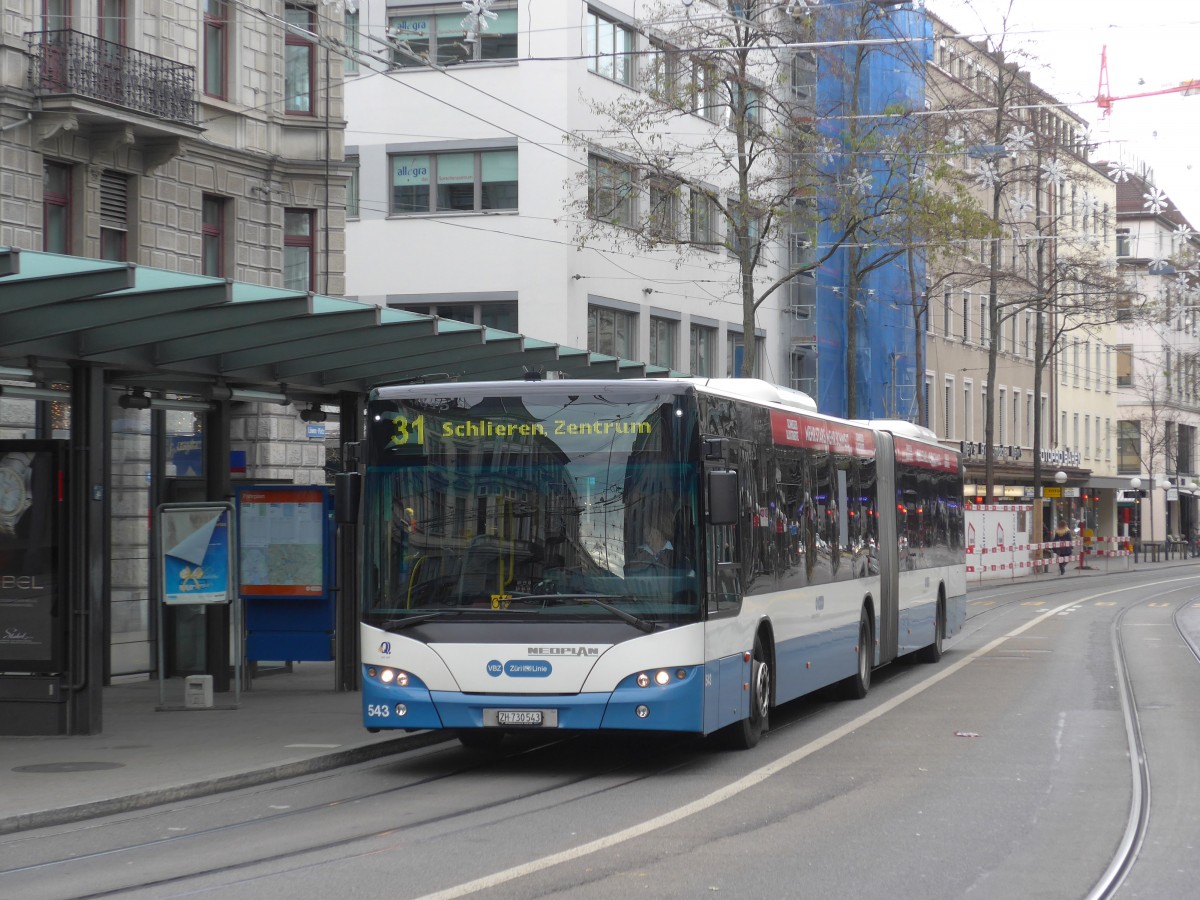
1060	476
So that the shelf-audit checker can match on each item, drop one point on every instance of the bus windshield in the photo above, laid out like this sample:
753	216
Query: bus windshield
551	504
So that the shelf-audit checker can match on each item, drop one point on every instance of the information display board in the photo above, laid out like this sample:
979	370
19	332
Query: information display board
284	541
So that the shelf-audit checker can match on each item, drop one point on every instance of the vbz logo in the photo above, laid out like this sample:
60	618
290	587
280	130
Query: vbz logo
495	668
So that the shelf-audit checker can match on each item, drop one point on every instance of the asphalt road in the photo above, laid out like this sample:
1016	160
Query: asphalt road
1003	771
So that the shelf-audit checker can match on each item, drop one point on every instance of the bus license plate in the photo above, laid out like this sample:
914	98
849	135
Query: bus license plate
519	717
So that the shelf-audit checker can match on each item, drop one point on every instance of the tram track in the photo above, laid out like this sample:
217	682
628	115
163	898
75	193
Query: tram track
48	868
244	872
1138	821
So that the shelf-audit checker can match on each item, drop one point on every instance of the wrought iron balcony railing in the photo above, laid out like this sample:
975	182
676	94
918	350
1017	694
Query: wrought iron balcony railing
71	62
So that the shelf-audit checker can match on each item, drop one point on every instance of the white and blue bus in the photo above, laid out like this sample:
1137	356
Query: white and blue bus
676	555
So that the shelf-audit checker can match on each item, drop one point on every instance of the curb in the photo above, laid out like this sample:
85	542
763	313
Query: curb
221	784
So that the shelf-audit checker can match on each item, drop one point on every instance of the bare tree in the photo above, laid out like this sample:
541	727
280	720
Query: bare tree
1030	167
750	69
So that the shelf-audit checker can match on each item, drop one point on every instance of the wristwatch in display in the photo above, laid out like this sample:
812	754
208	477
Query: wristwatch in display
15	493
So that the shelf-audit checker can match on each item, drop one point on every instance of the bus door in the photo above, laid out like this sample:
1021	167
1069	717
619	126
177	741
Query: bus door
889	547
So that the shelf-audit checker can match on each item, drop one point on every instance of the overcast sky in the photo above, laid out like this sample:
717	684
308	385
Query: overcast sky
1152	44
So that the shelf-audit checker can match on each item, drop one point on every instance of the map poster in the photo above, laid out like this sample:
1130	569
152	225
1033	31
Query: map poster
283	532
195	562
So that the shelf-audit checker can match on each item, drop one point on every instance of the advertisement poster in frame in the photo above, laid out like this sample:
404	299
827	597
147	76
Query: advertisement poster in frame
196	553
33	614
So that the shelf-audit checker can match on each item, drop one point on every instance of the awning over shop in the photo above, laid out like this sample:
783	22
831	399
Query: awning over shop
183	333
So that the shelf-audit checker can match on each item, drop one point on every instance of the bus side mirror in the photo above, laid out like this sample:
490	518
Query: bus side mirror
722	497
347	487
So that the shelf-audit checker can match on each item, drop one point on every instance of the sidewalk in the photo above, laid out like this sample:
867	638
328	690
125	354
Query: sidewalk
291	723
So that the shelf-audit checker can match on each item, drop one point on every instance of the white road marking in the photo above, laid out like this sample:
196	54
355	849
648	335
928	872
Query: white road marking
758	775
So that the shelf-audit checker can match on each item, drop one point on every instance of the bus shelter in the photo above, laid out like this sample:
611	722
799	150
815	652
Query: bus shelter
84	340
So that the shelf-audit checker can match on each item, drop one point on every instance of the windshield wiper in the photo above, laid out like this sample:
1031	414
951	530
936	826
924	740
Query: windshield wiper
601	601
397	624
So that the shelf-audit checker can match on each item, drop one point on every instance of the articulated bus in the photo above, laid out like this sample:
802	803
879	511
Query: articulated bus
671	555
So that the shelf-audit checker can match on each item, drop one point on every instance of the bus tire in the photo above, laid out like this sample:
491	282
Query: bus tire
933	652
744	735
856	686
481	738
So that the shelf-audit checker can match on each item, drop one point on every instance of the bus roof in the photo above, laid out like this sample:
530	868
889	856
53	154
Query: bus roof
752	390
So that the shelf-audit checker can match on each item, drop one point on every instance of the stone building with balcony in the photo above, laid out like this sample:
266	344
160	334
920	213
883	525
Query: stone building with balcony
203	137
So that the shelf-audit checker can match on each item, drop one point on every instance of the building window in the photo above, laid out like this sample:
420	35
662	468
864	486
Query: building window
1129	447
454	182
55	15
664	334
213	232
753	228
745	103
1001	408
216	47
299	64
501	315
662	218
351	39
611	331
610	191
704	217
947	315
702	346
609	48
438	37
706	89
966	316
299	249
968	425
114	213
112	21
1124	245
1124	365
56	208
666	70
948	409
925	389
735	355
352	188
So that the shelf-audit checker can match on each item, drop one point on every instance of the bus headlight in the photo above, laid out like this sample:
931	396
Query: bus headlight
642	712
661	677
387	676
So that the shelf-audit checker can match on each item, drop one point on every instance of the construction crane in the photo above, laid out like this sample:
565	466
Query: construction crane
1105	100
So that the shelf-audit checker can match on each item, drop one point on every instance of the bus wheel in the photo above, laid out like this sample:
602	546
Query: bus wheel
857	685
933	652
481	738
744	735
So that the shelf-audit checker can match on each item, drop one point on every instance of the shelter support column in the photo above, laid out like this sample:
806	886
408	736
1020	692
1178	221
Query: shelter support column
218	486
346	650
88	543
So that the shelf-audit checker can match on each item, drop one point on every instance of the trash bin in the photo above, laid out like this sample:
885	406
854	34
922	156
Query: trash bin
198	692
